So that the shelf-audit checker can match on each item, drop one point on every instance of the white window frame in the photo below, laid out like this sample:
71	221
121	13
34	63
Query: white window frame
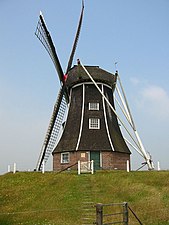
93	106
62	157
94	123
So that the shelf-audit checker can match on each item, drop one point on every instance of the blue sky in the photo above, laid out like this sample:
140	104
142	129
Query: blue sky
134	33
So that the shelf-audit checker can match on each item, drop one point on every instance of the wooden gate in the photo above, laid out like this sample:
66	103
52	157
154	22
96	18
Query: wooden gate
115	213
85	167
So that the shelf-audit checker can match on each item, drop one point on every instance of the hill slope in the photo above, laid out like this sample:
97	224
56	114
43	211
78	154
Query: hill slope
51	198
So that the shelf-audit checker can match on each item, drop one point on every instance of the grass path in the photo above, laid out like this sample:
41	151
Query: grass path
88	209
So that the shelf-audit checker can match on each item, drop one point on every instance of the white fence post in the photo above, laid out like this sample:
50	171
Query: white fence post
43	167
9	168
158	166
14	168
78	165
92	167
128	166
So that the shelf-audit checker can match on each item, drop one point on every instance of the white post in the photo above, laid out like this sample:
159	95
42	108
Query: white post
9	168
92	167
128	166
78	166
14	168
43	167
158	166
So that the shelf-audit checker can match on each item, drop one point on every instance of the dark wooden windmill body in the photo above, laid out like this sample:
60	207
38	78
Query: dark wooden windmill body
91	130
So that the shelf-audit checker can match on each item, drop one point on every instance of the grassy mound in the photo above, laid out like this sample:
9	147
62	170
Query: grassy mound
48	199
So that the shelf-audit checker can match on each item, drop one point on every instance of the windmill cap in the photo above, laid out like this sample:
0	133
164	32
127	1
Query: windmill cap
78	75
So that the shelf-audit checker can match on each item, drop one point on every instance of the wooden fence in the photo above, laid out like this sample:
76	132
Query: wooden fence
115	213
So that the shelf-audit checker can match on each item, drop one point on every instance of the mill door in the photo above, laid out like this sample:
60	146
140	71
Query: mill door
95	156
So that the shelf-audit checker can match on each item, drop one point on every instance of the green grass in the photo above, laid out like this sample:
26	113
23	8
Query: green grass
51	198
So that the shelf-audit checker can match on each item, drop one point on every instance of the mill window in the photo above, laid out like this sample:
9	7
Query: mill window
65	157
93	106
94	123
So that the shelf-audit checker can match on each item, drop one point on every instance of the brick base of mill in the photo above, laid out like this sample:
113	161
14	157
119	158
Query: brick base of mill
108	160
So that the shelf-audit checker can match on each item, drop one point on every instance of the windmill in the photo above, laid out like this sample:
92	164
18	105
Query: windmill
91	130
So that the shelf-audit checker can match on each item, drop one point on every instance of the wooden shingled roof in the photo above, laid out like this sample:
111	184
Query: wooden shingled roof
78	75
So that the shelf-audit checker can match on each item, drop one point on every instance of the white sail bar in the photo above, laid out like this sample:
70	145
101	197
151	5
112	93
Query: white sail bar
129	121
126	106
128	118
125	99
126	140
123	111
111	107
139	144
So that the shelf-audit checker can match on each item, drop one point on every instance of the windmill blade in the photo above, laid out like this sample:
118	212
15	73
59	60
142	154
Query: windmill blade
53	129
137	142
76	39
43	35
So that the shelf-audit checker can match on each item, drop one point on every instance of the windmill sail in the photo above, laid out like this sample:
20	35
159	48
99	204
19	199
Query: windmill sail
135	138
43	35
53	129
76	39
